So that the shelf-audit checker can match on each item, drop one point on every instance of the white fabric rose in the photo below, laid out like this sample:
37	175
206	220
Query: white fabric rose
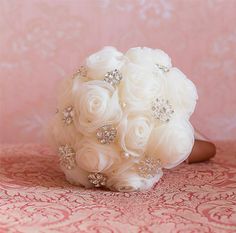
172	142
58	134
134	132
181	92
96	104
129	181
103	61
77	176
94	157
148	57
139	87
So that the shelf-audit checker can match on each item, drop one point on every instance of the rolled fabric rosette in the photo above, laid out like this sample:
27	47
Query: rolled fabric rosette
122	118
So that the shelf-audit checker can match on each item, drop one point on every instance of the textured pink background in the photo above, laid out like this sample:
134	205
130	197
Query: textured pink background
44	41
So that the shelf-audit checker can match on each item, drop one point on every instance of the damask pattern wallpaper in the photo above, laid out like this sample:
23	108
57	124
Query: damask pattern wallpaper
44	41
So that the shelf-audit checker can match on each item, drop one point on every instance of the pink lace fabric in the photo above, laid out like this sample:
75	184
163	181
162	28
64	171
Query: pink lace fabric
35	197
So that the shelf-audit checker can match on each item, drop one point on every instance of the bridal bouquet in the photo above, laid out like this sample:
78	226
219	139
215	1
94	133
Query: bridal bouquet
122	118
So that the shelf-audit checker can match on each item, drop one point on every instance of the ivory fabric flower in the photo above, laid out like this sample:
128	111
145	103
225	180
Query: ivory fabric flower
122	118
134	133
171	143
94	157
129	181
105	60
139	87
58	134
181	92
96	104
61	128
148	57
77	176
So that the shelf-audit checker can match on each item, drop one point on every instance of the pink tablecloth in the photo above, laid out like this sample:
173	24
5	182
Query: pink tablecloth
34	197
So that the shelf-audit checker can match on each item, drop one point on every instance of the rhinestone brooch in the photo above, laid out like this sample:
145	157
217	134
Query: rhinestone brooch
113	77
68	115
81	72
163	68
106	134
162	110
148	167
97	179
67	156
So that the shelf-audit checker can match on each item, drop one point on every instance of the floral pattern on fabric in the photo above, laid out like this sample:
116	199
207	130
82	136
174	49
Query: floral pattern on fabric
189	198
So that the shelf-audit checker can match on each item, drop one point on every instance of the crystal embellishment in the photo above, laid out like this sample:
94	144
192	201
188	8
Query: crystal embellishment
113	77
162	110
67	157
148	167
68	115
125	154
97	179
163	68
106	134
81	72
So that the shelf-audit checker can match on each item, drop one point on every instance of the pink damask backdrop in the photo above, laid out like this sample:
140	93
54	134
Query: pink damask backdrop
35	198
44	41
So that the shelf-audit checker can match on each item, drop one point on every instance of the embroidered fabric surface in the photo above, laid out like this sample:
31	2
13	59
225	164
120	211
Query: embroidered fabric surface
35	197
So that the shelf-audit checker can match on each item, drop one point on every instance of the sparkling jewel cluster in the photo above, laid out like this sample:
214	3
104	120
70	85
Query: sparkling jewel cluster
122	118
148	167
162	110
68	115
97	179
67	156
113	77
106	134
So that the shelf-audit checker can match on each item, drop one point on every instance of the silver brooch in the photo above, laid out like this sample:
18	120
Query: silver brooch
148	167
106	134
67	156
68	114
163	68
97	179
113	77
162	110
82	72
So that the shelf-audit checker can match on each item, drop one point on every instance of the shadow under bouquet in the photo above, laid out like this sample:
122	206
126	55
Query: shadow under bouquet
121	118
